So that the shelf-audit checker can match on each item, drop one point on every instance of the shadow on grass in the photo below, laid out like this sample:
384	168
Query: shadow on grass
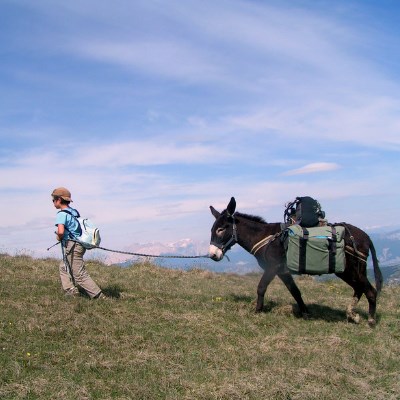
268	306
241	299
316	311
113	291
322	312
326	313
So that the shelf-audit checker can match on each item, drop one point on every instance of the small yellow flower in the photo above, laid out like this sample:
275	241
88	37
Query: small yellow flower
28	354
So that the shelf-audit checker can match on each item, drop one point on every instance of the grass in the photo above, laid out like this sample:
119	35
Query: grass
170	334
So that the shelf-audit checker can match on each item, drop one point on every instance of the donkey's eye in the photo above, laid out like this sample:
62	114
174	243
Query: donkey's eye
220	231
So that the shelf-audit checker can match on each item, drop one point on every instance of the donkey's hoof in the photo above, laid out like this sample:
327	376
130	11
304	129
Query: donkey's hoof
354	318
372	322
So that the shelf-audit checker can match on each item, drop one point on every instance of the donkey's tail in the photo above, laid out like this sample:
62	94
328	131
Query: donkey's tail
377	270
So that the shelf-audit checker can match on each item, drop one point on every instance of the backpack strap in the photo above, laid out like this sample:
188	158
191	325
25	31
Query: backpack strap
303	251
70	213
332	250
76	217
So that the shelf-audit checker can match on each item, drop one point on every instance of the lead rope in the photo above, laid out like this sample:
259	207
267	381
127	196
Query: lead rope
149	255
136	254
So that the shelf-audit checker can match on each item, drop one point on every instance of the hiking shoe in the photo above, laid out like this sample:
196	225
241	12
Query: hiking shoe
71	292
101	296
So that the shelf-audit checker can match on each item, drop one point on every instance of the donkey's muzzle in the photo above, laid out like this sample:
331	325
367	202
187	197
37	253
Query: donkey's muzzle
215	253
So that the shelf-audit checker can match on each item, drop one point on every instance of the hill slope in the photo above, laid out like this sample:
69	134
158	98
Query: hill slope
170	334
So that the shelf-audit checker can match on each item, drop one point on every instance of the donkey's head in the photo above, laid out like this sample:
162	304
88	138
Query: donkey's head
223	231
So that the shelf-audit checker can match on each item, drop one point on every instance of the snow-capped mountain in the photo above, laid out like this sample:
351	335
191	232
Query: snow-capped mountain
183	247
387	246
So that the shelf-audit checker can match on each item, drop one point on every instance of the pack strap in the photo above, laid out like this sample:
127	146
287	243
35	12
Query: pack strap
303	251
332	251
352	250
261	244
264	242
355	253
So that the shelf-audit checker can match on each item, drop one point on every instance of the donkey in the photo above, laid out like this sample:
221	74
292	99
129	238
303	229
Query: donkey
263	240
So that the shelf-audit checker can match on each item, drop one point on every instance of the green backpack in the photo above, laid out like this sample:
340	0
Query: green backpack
316	251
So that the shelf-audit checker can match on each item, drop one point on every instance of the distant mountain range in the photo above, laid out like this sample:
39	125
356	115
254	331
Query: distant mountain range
387	245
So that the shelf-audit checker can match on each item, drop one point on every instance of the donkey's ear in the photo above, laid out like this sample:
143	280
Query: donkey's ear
231	206
214	212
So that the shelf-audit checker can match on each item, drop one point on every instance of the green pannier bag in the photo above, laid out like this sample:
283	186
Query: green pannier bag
316	251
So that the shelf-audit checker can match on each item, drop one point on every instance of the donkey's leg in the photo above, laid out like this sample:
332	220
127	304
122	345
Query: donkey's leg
265	280
361	286
352	279
289	282
350	313
371	295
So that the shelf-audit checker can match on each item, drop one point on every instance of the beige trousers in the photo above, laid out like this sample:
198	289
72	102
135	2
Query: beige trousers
73	272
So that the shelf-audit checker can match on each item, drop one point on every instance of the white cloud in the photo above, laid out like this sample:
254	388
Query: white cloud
116	153
157	151
313	168
172	59
351	119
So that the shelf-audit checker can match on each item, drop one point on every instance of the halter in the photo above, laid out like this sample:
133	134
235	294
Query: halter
231	241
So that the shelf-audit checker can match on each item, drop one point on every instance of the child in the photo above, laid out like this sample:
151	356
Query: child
72	269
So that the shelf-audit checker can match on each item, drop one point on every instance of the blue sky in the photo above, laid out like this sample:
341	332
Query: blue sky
150	111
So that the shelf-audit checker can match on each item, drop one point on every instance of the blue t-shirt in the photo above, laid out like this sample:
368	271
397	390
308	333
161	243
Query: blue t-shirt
72	227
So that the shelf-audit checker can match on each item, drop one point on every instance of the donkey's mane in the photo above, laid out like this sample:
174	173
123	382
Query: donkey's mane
254	218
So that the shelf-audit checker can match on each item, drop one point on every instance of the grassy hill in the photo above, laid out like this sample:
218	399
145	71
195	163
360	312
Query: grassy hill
170	334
